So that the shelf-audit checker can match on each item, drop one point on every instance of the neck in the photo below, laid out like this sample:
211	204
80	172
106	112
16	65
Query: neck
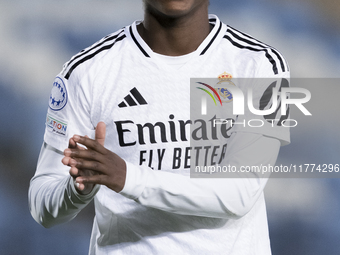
174	36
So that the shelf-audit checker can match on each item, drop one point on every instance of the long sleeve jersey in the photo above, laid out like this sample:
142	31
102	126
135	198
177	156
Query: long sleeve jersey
144	99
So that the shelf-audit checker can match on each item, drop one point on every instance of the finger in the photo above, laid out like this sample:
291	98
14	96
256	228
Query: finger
80	186
94	179
73	152
66	161
98	179
67	153
90	143
72	143
94	166
84	154
100	133
74	172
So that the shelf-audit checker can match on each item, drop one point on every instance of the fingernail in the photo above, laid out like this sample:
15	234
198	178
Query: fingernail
76	137
67	151
77	185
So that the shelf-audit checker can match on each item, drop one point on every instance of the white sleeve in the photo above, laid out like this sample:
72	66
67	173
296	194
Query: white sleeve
69	111
53	198
263	114
210	197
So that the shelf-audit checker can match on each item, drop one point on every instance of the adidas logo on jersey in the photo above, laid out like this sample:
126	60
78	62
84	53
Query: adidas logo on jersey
132	99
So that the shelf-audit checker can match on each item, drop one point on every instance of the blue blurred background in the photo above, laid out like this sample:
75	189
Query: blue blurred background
39	36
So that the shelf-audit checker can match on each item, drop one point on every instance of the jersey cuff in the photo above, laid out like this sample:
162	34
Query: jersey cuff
135	182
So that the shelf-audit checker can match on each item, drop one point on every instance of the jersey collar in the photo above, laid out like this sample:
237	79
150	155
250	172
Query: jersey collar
215	35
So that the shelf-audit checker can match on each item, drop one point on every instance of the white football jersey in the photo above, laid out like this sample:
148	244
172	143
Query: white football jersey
144	99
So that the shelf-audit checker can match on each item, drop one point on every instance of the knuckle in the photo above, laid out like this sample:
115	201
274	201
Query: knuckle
101	179
73	154
106	152
93	154
95	165
95	145
81	173
79	162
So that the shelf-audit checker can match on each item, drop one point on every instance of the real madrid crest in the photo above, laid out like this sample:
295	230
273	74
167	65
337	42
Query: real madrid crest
224	80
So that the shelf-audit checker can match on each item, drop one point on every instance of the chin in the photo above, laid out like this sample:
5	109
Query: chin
173	8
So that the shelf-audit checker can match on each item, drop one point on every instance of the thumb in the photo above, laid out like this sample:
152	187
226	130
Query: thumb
100	132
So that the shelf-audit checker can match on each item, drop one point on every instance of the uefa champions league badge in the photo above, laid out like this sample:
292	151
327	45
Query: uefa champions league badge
224	93
58	97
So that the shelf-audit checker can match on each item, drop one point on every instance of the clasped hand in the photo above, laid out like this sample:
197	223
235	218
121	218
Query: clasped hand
94	164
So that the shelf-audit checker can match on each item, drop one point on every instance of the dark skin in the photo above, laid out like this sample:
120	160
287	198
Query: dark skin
170	27
94	164
174	27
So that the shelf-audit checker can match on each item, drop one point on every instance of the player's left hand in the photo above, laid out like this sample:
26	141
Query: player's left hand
110	169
